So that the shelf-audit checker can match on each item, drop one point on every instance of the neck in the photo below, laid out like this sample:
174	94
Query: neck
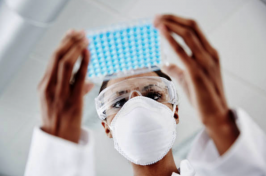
164	167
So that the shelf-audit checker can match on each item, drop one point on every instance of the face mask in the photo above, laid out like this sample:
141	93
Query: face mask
144	130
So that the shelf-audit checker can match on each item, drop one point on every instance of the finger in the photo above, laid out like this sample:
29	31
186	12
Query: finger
195	27
66	65
179	75
202	57
50	75
204	60
176	46
194	66
71	37
68	41
81	74
173	70
188	35
87	87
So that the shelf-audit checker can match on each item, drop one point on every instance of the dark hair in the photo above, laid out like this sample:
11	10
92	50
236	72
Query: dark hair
158	72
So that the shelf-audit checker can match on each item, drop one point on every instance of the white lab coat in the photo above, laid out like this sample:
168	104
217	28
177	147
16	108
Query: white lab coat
53	156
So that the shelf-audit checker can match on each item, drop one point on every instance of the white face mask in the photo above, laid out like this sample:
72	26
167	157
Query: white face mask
144	130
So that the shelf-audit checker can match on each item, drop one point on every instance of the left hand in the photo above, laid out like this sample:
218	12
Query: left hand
201	79
61	96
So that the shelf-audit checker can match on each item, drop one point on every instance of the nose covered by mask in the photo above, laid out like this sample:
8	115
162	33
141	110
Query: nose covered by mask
144	130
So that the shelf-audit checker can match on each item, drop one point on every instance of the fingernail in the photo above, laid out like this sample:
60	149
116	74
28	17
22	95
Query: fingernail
156	20
82	31
70	32
85	41
165	66
162	28
87	81
81	35
158	16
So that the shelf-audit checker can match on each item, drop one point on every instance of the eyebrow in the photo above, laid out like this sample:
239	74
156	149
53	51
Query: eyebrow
144	88
121	92
149	86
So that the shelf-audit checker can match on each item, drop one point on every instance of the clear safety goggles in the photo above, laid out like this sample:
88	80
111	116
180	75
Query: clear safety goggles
112	98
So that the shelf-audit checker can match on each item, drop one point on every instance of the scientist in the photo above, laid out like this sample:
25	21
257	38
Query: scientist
140	113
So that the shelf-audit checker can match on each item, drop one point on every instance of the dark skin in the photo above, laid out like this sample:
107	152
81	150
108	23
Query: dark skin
113	81
201	79
62	102
165	166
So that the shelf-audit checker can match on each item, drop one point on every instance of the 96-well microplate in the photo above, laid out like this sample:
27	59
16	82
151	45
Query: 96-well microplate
123	49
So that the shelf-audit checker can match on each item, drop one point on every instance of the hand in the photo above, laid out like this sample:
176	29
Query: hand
201	79
62	102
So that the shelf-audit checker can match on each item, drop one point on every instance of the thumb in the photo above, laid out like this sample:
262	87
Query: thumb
174	71
179	75
87	87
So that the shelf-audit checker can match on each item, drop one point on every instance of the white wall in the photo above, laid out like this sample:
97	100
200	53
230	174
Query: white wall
235	27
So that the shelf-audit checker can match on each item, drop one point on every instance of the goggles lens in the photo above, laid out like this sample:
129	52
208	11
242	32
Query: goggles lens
112	99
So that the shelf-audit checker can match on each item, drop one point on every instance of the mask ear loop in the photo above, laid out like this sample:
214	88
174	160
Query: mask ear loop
109	126
174	108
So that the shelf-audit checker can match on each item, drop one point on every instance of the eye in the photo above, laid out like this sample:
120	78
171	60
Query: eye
119	103
154	96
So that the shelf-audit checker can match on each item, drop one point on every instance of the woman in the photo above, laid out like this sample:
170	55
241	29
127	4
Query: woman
140	113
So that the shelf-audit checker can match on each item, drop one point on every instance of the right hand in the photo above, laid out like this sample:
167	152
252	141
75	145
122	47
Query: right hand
201	78
62	102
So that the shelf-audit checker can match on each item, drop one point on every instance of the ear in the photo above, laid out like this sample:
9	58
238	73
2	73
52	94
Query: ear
176	116
107	129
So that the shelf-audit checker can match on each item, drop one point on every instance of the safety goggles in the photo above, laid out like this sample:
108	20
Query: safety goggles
112	98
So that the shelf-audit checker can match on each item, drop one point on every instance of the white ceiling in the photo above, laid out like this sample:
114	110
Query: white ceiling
235	27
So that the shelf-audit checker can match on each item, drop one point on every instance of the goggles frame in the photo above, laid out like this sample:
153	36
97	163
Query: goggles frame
99	104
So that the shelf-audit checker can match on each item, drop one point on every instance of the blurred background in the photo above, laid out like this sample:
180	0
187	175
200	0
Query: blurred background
31	29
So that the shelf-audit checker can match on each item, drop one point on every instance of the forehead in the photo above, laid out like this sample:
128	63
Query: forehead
113	81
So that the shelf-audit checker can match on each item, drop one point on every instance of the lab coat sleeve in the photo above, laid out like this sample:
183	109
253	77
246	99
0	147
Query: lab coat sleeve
53	156
246	157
